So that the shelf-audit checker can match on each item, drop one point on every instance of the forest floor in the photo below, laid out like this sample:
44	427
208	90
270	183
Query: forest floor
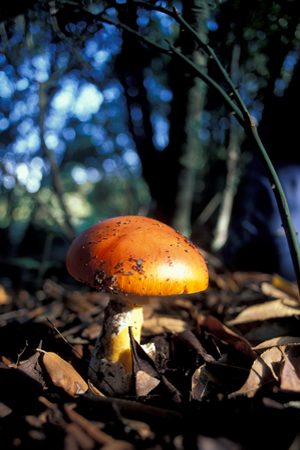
226	374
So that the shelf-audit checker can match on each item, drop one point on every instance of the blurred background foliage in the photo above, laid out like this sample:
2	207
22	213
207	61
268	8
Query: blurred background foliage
95	123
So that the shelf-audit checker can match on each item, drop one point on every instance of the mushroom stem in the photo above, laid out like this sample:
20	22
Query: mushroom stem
114	340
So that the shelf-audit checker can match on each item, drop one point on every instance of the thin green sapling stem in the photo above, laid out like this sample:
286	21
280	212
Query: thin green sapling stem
238	108
247	122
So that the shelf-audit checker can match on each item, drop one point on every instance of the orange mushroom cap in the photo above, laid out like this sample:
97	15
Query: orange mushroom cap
136	255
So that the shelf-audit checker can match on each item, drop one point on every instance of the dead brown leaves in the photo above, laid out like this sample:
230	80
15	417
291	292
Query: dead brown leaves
237	342
280	308
277	368
255	331
63	375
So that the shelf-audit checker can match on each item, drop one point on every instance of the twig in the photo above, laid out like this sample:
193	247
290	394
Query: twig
210	208
64	339
20	354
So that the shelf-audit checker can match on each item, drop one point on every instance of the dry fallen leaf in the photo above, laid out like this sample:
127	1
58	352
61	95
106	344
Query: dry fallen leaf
4	410
144	383
203	383
32	369
290	376
286	286
277	342
62	374
93	390
216	328
284	307
275	291
263	372
162	324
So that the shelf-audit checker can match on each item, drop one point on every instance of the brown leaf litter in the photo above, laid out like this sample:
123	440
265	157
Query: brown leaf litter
226	372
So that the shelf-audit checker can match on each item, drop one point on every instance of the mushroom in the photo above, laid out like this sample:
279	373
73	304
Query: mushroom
132	258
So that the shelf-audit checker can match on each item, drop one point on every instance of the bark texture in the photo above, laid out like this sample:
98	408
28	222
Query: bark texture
180	159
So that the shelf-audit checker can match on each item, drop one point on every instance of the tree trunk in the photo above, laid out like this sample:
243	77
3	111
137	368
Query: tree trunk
170	174
180	159
130	65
